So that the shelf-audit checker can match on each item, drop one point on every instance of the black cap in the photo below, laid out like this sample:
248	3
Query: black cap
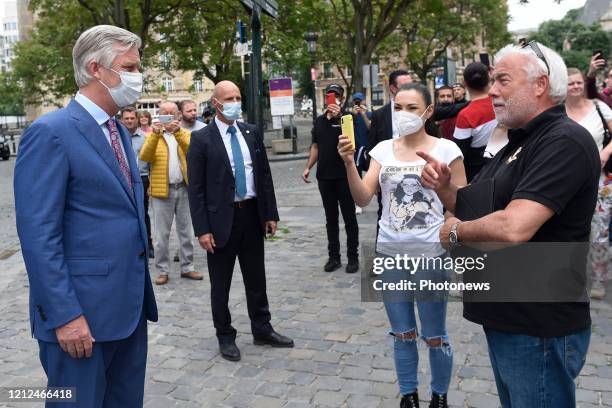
335	88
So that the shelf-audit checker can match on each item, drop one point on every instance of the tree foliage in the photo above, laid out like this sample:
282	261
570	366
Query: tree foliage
432	26
573	40
11	103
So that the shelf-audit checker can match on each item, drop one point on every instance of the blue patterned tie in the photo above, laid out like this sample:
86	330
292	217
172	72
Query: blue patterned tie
239	172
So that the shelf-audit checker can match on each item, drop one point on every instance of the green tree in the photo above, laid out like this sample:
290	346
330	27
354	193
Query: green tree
43	63
573	40
11	103
432	26
353	31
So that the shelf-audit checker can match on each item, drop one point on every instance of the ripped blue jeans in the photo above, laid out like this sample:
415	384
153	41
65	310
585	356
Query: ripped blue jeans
432	316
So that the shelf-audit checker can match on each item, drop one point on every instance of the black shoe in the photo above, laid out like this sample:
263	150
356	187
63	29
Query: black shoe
332	264
273	339
438	401
352	266
229	351
151	252
176	258
410	401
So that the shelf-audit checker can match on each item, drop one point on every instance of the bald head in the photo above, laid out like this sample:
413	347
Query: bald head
224	87
168	108
225	92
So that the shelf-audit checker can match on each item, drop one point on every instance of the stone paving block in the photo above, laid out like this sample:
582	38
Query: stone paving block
341	337
356	373
328	383
185	393
482	401
248	372
210	398
166	375
587	396
360	401
275	375
238	401
301	354
299	378
268	402
272	389
471	385
383	375
329	398
327	357
161	402
596	384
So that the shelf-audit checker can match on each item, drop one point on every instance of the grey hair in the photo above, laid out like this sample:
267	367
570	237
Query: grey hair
101	44
535	68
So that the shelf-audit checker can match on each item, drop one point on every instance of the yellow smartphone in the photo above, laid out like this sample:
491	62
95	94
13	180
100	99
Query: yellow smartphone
348	129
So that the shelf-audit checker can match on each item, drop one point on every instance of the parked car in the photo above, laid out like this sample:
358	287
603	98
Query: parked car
5	151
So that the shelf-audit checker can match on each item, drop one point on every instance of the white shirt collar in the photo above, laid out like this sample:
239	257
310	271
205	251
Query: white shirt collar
94	110
223	126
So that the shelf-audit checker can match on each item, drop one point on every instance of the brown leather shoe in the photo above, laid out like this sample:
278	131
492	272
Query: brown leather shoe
192	275
161	280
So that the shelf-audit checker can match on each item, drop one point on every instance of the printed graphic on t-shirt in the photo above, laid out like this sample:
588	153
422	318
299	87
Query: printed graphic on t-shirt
409	206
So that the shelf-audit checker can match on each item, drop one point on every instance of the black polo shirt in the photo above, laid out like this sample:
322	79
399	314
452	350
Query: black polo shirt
554	161
325	134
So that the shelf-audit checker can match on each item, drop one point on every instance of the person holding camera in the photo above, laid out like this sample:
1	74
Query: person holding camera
166	150
333	186
598	62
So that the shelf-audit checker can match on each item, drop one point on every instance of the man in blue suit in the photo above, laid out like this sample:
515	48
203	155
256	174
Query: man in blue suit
80	219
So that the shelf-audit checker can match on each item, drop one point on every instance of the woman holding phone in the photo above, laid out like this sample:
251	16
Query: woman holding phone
411	219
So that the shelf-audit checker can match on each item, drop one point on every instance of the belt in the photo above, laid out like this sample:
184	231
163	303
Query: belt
244	203
177	185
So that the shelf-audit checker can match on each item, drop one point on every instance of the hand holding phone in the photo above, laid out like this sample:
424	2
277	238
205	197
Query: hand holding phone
347	129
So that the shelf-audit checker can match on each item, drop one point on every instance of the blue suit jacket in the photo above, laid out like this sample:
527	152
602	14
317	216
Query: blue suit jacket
83	236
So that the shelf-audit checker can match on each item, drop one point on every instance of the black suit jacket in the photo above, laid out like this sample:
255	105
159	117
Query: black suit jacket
381	127
212	185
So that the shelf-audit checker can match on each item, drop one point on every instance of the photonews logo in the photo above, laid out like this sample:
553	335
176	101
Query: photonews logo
413	264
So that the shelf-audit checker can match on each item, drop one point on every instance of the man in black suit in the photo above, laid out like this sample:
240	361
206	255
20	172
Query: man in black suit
233	207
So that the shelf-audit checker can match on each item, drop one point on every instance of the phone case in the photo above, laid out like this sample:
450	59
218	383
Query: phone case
330	99
348	129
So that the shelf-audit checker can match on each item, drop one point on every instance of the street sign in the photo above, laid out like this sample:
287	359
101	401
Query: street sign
269	7
241	49
370	75
281	97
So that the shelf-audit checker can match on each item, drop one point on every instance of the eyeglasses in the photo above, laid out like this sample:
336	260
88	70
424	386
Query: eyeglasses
538	52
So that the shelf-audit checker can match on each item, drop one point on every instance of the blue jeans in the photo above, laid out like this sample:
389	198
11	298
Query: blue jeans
537	372
432	315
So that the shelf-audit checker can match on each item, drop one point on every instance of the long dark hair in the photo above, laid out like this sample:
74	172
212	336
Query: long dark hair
430	127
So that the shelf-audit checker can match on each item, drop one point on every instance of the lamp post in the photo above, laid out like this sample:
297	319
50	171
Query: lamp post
311	39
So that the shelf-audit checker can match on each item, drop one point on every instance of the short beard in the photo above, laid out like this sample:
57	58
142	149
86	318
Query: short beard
516	110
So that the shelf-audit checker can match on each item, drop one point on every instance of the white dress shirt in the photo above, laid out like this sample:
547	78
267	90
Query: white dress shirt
175	176
101	118
246	155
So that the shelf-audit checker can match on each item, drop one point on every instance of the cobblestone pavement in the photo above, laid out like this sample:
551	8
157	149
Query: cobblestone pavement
342	355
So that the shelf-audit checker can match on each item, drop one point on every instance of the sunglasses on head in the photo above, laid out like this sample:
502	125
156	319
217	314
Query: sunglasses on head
538	52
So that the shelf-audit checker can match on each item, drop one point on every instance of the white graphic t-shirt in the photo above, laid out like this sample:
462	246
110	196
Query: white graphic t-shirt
412	215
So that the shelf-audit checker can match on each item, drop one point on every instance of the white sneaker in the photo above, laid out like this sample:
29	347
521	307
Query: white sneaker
358	210
598	292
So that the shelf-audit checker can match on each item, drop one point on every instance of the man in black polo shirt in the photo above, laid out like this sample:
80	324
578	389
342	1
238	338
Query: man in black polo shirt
333	185
545	190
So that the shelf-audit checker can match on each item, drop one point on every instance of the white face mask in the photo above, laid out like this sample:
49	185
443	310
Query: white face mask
129	89
407	123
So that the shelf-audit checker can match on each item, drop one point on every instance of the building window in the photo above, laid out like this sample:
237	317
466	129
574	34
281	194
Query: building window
167	84
378	96
198	86
327	70
349	72
164	60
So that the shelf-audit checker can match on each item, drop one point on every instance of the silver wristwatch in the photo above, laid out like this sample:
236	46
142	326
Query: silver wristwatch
453	238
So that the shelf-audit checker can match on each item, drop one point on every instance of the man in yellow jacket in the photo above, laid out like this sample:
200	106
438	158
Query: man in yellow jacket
165	148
